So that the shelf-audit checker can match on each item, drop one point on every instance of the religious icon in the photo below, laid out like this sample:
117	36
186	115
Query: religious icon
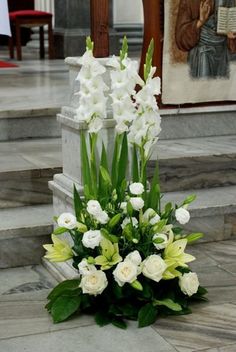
206	30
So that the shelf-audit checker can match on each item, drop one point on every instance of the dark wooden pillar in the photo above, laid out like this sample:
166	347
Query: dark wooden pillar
153	28
99	12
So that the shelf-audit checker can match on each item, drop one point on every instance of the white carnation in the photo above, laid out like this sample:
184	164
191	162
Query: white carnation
182	216
136	188
67	220
94	283
137	203
153	267
85	268
151	216
94	207
162	237
189	283
91	238
134	257
127	221
125	272
102	217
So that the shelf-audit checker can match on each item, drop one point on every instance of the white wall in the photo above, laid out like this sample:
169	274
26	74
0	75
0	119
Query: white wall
127	11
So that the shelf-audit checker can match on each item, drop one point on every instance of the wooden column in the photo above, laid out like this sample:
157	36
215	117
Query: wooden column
153	28
99	12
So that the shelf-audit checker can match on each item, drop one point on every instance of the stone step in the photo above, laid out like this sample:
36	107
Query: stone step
26	166
195	163
29	123
23	231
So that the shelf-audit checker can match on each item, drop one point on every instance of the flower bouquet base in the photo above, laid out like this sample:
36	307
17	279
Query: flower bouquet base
127	249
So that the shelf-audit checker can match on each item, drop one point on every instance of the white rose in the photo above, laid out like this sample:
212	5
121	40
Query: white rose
137	203
85	268
67	220
91	238
151	216
153	267
189	283
134	257
182	216
127	221
94	283
102	217
136	188
160	236
94	207
125	272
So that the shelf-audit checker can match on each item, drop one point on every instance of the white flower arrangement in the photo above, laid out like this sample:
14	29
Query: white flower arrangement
129	251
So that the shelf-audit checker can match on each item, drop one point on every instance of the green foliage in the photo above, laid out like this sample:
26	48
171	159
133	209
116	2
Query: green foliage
78	205
148	62
64	306
193	237
60	230
169	304
147	315
135	165
89	44
154	194
123	51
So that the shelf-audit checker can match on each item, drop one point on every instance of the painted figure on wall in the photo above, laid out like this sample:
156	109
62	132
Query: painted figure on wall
196	33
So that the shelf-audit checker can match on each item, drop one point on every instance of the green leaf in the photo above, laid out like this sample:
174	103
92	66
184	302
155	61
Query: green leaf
63	287
147	315
78	205
123	161
154	194
114	170
119	323
102	318
149	56
192	237
60	230
105	175
135	166
109	236
114	220
89	43
169	304
85	166
123	51
63	307
189	199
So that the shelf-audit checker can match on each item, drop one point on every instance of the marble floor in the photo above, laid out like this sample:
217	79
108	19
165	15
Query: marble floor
33	84
26	327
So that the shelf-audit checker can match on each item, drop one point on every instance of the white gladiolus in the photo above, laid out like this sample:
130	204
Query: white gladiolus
182	215
85	268
92	100
153	267
189	283
125	272
67	220
136	188
162	237
95	125
91	238
94	283
127	221
137	203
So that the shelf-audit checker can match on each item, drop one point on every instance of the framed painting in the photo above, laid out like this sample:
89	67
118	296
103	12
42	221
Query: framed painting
199	51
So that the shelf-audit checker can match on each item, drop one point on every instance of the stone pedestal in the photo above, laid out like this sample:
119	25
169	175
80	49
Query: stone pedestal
72	26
